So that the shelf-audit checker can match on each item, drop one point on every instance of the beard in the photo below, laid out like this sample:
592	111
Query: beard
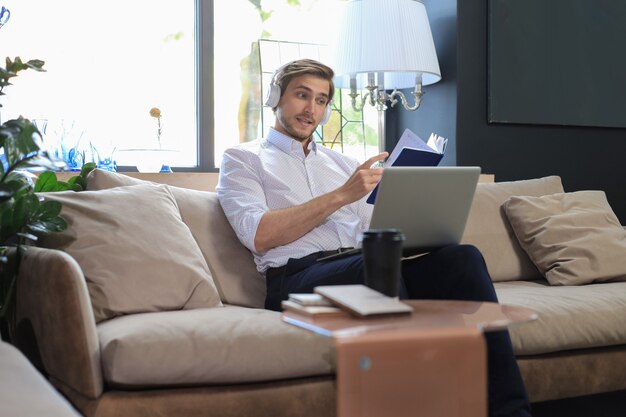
295	129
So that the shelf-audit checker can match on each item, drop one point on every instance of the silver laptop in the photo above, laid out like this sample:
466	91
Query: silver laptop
430	205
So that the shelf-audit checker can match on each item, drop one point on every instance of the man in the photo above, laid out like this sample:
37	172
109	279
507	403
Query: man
291	201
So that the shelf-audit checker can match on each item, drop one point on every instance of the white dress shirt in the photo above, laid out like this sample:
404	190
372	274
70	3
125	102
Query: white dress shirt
274	173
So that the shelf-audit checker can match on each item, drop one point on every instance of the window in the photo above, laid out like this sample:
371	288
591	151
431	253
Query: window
251	40
109	63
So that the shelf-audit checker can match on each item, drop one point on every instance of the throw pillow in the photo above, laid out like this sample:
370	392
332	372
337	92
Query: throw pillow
573	238
489	230
238	283
136	253
100	179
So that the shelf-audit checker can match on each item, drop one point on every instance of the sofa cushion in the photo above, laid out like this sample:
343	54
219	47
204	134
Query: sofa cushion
220	345
572	238
570	317
231	264
489	230
135	252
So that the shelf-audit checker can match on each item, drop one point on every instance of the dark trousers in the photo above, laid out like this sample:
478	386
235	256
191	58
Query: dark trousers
455	272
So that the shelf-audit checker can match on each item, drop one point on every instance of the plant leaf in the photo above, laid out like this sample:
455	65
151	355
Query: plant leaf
6	222
19	214
63	186
81	182
55	224
19	188
47	181
18	65
28	236
49	209
30	208
87	168
36	64
6	193
42	162
19	140
24	177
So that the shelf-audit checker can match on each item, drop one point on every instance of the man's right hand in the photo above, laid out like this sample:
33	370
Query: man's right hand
363	180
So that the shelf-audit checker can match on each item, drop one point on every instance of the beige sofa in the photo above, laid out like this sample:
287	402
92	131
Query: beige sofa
190	337
24	392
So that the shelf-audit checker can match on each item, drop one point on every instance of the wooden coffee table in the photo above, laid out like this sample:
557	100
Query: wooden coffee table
429	363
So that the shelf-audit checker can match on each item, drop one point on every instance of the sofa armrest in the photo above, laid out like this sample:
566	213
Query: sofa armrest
55	326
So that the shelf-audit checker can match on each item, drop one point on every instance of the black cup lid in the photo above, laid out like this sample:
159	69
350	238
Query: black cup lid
393	234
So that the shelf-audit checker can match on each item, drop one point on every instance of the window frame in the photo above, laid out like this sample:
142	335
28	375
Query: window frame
204	88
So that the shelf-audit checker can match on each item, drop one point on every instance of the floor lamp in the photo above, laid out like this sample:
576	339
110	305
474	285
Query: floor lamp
385	45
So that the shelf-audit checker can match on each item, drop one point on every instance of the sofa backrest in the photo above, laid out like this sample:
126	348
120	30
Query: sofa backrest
239	283
231	264
489	230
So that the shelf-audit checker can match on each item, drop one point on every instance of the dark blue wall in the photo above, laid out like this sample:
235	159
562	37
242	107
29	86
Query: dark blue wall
437	113
584	157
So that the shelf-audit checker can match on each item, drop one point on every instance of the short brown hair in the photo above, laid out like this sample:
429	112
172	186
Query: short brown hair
304	66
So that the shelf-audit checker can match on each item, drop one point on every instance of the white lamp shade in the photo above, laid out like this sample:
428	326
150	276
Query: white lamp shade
388	39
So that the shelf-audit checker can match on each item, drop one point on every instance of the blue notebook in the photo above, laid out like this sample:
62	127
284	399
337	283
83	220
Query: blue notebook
411	151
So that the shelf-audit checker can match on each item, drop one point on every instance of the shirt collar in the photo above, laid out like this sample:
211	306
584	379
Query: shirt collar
287	144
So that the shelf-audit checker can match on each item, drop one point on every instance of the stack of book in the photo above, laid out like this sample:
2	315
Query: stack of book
340	300
311	305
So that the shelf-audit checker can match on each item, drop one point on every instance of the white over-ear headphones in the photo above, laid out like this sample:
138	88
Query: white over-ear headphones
273	96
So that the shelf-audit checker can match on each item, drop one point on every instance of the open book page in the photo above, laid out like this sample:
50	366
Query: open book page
409	139
438	143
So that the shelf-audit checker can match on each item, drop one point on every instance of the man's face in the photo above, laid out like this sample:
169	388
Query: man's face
302	106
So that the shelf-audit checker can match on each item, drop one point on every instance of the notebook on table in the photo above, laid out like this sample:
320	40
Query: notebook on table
362	301
430	205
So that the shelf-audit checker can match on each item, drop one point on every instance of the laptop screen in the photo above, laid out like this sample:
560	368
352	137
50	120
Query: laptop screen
430	205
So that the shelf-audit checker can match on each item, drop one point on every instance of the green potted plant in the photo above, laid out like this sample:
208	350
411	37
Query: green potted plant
23	213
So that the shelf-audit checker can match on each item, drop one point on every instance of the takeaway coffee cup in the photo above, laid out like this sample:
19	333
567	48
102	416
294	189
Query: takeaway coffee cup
382	253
